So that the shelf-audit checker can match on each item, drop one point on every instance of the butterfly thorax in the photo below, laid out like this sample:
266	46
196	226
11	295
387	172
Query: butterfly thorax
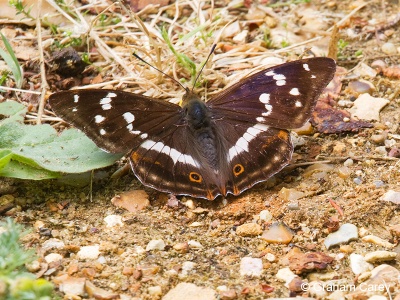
199	121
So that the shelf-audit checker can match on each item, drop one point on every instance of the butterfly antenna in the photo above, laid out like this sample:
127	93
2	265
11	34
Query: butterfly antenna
202	67
170	77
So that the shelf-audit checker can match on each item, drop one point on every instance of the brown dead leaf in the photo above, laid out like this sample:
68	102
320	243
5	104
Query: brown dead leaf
132	201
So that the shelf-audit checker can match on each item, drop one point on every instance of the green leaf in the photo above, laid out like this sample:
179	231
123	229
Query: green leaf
12	61
37	151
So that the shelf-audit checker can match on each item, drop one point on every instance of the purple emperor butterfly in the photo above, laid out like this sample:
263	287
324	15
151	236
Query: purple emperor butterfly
204	149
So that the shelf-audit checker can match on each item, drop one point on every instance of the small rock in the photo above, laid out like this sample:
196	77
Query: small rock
316	289
296	285
306	262
344	172
52	257
190	204
154	291
389	48
32	267
270	257
285	275
377	240
290	194
89	252
185	291
265	215
187	267
132	201
346	249
346	233
358	264
113	220
249	229
99	293
378	139
71	285
196	224
278	233
241	38
379	256
395	230
53	244
367	107
391	196
348	162
360	87
181	247
194	245
155	245
250	266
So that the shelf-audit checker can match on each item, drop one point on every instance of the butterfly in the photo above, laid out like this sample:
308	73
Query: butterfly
203	149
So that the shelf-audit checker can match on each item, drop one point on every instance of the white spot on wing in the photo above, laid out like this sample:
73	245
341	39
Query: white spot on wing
306	67
74	109
280	82
174	154
106	106
270	73
260	119
279	77
76	98
294	92
129	117
313	76
298	104
264	98
99	119
242	143
102	131
105	100
144	136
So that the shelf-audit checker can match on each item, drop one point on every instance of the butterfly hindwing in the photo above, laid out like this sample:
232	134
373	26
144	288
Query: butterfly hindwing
283	96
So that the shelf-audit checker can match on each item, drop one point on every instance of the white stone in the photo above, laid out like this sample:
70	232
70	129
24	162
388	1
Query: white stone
195	244
378	256
52	257
358	264
154	290
265	215
285	275
113	220
270	257
185	291
89	252
250	266
155	245
187	267
367	107
53	244
316	289
347	232
391	196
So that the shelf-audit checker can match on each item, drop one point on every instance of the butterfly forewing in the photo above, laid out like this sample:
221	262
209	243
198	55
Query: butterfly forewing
116	121
283	96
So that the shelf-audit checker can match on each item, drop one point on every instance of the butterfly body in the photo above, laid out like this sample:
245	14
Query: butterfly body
204	149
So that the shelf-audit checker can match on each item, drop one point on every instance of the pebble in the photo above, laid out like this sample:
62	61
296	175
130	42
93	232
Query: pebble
346	233
265	215
154	291
379	256
187	267
367	107
290	194
52	257
270	257
391	196
360	87
285	275
99	293
378	139
316	289
155	245
278	233
365	70
377	240
53	244
249	229
348	162
381	150
181	247
343	172
113	220
33	266
71	285
194	244
389	48
184	291
89	252
250	266
358	264
395	230
132	201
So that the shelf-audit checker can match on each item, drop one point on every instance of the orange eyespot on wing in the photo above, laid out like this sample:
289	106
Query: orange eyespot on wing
195	177
238	169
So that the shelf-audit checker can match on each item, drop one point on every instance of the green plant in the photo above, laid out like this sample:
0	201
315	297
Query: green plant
12	61
17	283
